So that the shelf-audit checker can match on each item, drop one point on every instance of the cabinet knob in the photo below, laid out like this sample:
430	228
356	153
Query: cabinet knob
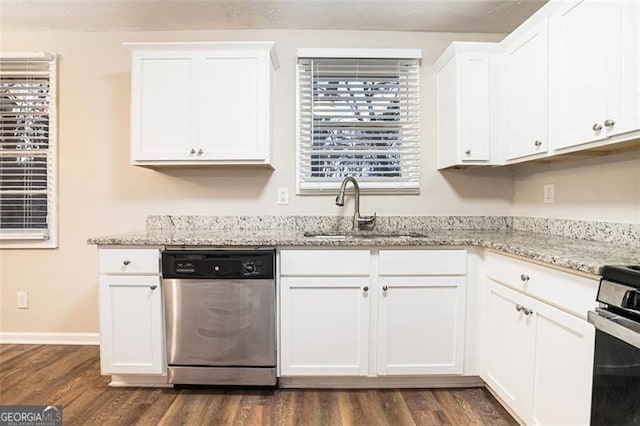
468	152
596	127
365	289
126	262
385	288
609	123
193	151
538	143
527	311
153	287
524	277
519	307
200	151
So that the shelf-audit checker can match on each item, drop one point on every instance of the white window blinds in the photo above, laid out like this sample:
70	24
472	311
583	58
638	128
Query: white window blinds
358	117
27	149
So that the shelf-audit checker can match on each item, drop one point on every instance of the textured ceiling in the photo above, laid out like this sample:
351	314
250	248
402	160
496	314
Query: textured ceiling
399	15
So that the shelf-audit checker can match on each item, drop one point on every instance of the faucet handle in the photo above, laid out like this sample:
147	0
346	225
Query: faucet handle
366	222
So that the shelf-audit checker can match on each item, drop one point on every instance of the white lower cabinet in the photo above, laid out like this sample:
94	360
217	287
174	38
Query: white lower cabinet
562	368
131	325
421	325
539	358
506	346
324	326
330	324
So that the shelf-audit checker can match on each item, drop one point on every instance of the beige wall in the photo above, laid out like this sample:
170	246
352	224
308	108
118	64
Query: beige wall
100	193
601	189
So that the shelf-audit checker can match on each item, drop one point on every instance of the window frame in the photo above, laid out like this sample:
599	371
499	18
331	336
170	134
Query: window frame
15	240
323	188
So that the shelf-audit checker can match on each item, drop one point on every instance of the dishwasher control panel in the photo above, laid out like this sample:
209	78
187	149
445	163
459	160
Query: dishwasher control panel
221	264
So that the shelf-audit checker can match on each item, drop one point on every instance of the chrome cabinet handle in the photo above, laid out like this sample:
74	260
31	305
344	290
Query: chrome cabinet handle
193	151
596	127
126	262
524	277
527	311
609	123
385	288
153	287
200	151
365	289
538	143
519	307
468	152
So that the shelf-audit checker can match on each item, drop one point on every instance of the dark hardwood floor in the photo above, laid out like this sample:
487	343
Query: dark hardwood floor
70	376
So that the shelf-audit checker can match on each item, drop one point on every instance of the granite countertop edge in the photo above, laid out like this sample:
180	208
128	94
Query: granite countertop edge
576	254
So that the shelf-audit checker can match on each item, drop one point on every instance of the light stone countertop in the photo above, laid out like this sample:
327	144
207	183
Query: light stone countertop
580	255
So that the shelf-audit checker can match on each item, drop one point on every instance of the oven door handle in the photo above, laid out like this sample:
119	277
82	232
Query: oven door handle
619	327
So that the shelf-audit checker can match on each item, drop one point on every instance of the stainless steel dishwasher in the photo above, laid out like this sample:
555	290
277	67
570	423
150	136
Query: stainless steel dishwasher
220	316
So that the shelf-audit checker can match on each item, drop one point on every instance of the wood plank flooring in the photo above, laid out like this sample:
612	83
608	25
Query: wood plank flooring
70	376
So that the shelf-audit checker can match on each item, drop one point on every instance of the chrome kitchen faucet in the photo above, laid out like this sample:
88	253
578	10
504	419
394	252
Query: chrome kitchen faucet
359	222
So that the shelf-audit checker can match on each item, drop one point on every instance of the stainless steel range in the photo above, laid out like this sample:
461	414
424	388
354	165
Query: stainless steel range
616	367
220	314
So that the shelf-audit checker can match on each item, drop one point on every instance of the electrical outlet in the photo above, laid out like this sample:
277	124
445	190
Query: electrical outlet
23	300
283	195
549	193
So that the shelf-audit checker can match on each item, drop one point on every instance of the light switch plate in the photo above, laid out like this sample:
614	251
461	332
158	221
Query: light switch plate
283	195
549	193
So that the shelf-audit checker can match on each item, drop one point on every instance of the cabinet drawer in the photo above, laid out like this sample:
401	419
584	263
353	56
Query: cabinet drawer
325	262
570	292
129	261
423	262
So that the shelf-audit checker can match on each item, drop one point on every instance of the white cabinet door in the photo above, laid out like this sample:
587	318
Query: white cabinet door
131	327
324	326
235	99
202	103
475	106
526	93
586	39
562	367
539	358
421	325
466	104
162	105
508	338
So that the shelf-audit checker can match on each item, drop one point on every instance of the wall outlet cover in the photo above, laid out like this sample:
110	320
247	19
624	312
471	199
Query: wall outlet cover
549	193
283	195
23	300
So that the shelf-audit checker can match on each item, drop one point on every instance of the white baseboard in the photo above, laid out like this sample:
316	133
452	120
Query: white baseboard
49	338
139	381
317	382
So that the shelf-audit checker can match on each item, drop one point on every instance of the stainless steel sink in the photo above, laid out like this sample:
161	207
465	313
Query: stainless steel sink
362	234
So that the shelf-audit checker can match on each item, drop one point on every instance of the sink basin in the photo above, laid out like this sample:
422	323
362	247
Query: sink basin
362	234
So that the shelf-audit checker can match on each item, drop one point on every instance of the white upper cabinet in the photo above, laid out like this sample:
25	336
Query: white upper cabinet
162	105
595	90
202	103
466	104
526	94
567	79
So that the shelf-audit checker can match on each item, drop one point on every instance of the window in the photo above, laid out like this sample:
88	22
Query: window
358	116
28	151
